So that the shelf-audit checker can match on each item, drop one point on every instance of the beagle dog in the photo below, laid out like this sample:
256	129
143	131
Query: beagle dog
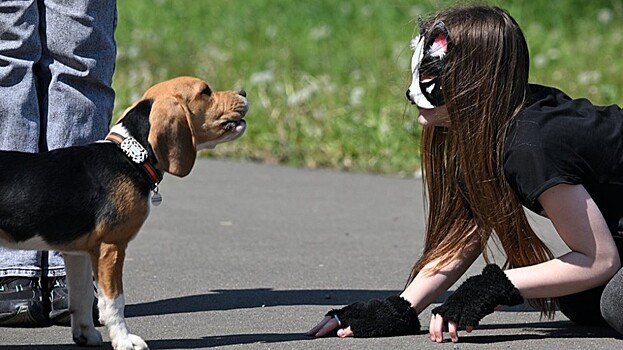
90	201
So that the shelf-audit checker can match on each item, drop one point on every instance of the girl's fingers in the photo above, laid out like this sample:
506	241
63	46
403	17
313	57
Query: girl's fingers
453	331
436	328
346	332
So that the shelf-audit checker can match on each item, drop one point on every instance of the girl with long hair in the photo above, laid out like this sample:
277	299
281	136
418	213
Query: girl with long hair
493	144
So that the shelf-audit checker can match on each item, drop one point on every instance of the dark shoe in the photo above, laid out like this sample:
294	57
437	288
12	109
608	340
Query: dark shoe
59	301
58	297
21	303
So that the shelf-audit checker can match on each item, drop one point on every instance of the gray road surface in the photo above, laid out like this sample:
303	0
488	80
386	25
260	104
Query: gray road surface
250	256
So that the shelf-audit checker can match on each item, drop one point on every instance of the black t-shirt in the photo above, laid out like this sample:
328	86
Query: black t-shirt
559	140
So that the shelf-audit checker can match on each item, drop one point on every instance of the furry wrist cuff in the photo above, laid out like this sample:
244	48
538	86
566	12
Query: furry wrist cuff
378	318
478	296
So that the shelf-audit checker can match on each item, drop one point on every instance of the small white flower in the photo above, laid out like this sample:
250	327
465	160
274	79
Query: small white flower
356	95
605	16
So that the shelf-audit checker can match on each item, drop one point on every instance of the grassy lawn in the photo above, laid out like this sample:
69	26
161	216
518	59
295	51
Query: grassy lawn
326	79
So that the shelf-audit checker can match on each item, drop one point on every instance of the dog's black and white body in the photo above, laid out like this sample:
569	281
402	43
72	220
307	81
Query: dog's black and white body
90	201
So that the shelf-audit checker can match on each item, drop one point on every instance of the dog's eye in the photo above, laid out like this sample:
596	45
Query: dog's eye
206	91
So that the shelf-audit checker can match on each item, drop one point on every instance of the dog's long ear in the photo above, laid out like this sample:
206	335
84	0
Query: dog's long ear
170	137
127	110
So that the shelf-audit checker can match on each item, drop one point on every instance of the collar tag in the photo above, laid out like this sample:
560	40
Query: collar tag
156	198
134	150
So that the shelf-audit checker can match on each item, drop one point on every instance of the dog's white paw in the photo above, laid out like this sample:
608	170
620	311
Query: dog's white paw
131	342
87	336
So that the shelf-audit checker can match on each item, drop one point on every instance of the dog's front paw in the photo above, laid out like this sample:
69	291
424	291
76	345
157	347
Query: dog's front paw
87	336
131	342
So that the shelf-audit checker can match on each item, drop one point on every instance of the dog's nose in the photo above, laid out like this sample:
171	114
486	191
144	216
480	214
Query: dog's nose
242	93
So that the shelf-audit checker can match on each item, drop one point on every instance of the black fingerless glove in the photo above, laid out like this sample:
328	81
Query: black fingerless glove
378	318
478	296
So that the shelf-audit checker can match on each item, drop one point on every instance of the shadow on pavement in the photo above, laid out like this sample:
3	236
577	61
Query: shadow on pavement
219	300
529	331
202	343
540	330
230	339
232	299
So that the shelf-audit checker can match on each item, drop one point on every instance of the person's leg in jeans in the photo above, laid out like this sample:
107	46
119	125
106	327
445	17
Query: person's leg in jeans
20	124
73	73
76	71
75	80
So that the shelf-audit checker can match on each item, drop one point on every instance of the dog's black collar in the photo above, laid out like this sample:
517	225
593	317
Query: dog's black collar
137	154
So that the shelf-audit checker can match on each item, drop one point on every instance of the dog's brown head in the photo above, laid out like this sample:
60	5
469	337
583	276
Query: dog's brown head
187	116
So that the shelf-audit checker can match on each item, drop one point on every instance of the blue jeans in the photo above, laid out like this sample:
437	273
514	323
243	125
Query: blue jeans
57	60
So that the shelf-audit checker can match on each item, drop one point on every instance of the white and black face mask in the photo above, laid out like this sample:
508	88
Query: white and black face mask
427	65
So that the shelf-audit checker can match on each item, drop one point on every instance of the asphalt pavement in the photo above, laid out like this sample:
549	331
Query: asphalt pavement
250	256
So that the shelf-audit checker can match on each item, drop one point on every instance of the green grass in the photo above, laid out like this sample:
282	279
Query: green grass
326	79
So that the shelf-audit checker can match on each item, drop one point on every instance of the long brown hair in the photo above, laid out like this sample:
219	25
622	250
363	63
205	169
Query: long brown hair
484	83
